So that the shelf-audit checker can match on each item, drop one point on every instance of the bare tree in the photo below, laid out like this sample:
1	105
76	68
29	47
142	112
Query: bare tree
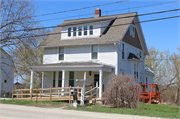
121	91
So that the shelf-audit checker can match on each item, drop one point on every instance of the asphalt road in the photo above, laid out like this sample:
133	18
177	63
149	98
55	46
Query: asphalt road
25	112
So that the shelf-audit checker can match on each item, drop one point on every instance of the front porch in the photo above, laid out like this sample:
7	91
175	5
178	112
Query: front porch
61	75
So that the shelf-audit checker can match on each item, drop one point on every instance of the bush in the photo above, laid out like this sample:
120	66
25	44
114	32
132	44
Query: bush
121	91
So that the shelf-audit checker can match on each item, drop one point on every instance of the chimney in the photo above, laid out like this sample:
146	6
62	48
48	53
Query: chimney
97	12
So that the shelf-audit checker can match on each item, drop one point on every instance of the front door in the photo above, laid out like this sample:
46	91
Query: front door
96	79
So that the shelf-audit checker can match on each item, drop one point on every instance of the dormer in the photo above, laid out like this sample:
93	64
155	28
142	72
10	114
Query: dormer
85	28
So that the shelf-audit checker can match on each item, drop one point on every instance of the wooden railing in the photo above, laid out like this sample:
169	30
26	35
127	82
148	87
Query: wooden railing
46	94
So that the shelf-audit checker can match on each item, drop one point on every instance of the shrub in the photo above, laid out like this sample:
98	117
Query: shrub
121	91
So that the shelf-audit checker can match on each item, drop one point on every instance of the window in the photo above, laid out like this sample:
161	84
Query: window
136	70
79	30
91	30
54	78
94	52
74	31
61	53
69	32
139	54
71	78
60	79
140	78
132	31
123	73
122	51
85	30
5	81
146	82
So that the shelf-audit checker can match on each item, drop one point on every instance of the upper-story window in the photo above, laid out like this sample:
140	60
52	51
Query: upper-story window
61	53
74	31
79	30
85	30
139	54
69	32
122	51
132	31
94	51
136	70
91	30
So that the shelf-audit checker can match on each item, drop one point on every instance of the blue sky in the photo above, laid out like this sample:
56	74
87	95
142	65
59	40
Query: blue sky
163	35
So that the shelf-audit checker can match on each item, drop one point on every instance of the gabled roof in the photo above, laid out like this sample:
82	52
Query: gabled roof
113	34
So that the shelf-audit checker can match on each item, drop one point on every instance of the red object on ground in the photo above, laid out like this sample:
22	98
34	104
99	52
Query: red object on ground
149	97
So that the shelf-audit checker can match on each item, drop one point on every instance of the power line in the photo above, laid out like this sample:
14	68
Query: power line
104	27
81	8
72	23
106	11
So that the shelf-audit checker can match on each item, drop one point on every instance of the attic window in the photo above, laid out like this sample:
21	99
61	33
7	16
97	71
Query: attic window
74	31
91	30
85	30
132	31
69	32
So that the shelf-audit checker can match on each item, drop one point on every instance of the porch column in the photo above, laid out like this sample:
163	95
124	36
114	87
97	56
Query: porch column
63	78
42	81
32	75
100	83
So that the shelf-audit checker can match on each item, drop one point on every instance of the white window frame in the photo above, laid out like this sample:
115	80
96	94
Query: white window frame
80	30
91	30
136	70
94	52
123	53
61	53
132	30
85	30
75	32
69	31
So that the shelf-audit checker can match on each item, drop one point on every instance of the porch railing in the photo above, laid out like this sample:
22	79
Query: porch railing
45	94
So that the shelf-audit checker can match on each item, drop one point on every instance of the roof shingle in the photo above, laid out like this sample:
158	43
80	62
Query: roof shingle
114	34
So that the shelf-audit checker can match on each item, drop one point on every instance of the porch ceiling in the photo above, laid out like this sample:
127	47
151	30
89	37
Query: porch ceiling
73	66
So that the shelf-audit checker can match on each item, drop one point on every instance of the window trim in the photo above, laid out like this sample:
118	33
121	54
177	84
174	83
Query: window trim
74	31
123	53
90	30
54	79
69	32
61	53
132	30
85	31
71	79
136	71
94	52
80	30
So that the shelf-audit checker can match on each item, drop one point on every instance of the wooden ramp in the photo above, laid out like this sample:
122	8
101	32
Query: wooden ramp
46	94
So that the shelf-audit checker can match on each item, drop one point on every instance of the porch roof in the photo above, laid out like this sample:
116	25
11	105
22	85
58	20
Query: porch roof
73	66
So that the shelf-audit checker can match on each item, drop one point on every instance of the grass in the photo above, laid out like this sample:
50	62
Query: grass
152	110
33	103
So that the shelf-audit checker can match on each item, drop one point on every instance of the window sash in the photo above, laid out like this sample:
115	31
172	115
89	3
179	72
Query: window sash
94	55
74	31
71	75
94	52
59	83
69	32
61	53
71	83
85	30
79	30
91	30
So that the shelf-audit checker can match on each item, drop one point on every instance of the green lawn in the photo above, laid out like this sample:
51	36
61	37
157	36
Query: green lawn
152	110
33	103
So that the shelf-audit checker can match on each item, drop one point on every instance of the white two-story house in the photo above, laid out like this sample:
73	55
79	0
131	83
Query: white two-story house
99	46
6	74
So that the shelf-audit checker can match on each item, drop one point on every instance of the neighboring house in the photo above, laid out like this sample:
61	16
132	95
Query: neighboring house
18	85
99	46
6	74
